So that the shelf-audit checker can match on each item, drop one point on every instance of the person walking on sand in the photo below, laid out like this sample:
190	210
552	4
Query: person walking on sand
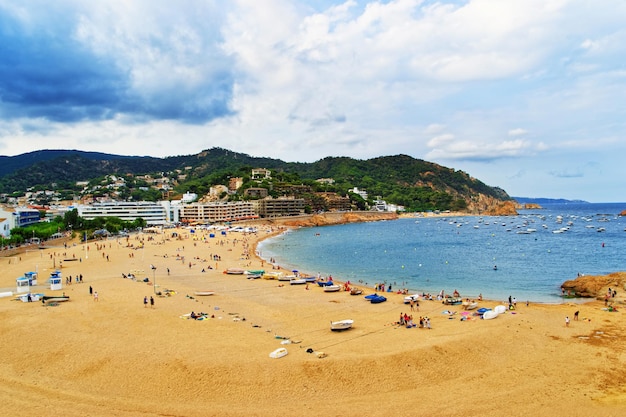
145	301
567	321
576	315
95	296
151	302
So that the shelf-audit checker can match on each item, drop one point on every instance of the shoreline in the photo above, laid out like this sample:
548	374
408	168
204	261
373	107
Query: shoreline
116	356
554	298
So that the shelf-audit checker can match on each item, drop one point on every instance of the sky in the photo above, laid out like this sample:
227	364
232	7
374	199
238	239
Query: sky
525	95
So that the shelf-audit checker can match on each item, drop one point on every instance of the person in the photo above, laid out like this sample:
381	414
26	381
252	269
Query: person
151	302
576	315
567	321
95	296
145	301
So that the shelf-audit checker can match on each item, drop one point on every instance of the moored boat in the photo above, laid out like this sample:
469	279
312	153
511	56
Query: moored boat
332	288
297	281
234	271
204	292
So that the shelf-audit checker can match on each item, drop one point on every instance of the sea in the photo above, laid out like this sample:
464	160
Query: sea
527	256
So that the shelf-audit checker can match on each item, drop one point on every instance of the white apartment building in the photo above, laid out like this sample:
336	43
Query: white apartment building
152	213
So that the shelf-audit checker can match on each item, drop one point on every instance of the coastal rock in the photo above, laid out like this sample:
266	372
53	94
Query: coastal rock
595	286
331	218
503	208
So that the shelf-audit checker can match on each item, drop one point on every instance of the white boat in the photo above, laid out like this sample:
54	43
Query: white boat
234	271
341	325
332	288
409	298
470	305
203	292
286	277
500	309
278	353
488	315
297	281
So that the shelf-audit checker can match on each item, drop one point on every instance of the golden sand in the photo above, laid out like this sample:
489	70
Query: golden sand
117	357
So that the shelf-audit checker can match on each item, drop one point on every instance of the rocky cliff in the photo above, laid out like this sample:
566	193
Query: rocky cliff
502	208
331	218
596	286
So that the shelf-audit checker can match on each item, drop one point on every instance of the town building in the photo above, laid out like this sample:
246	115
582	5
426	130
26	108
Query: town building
278	207
18	217
152	213
261	174
217	212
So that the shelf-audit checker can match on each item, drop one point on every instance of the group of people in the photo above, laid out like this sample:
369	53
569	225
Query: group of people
145	301
407	321
68	279
199	316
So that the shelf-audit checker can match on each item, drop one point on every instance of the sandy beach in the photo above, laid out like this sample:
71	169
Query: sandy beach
116	356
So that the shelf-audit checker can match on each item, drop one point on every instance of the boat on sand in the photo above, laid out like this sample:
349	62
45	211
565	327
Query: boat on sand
491	314
278	353
341	325
332	288
375	298
204	292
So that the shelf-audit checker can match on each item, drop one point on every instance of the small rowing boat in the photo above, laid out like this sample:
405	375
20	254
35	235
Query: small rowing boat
332	288
341	325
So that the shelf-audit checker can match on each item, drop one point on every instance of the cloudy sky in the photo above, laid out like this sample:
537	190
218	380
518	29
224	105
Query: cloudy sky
526	95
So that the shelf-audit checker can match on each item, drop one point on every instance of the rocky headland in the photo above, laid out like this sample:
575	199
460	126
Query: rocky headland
597	286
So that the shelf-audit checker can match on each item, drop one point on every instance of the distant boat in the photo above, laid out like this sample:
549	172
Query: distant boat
234	271
297	281
332	288
341	325
204	292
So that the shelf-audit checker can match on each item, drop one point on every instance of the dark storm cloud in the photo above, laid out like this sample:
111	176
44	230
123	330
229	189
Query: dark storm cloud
46	73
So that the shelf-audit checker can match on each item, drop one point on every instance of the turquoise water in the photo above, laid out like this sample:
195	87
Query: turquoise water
447	253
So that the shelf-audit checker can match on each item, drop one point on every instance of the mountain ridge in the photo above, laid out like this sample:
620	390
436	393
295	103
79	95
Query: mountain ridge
399	179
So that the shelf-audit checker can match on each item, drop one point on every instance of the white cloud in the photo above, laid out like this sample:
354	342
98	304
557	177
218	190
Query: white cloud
440	80
517	132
